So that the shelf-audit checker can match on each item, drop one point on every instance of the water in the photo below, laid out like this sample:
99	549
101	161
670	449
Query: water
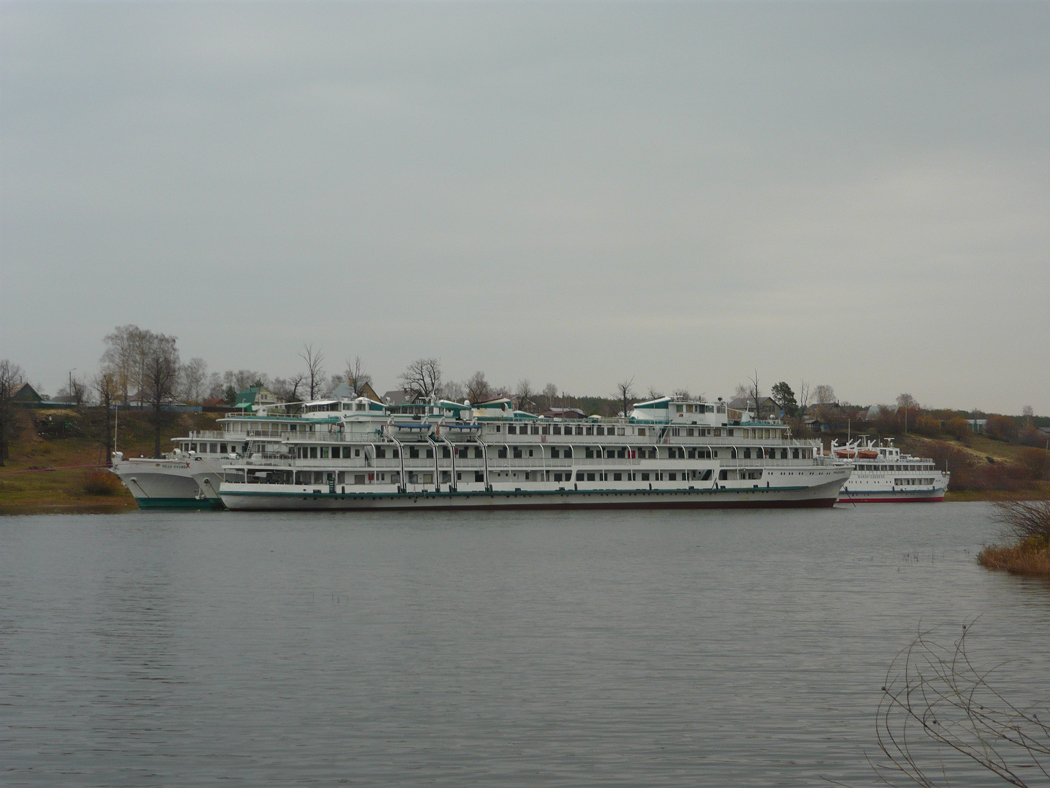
484	649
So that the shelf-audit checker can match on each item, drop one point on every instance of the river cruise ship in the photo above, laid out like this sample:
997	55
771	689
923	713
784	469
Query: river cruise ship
883	474
188	477
667	453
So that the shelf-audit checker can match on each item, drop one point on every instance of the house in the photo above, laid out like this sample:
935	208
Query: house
977	425
767	408
24	394
254	398
563	413
345	391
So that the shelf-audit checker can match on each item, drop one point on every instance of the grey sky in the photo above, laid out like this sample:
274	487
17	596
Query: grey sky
855	194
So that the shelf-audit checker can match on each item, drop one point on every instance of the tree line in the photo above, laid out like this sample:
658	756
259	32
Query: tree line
143	368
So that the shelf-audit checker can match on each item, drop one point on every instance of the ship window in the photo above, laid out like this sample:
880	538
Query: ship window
556	430
617	477
313	452
645	477
590	477
641	432
512	430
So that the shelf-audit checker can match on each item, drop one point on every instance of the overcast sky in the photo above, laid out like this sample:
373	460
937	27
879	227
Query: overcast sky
853	194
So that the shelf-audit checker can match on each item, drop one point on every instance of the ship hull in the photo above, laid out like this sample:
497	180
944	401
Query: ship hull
238	499
882	496
169	484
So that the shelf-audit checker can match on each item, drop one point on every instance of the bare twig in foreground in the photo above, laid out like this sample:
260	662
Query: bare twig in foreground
939	712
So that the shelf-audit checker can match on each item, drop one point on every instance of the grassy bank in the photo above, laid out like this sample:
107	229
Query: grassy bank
56	457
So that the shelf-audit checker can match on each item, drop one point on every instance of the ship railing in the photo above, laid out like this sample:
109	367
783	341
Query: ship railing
741	462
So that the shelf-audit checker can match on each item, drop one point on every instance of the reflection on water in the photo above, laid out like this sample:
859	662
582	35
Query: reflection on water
654	648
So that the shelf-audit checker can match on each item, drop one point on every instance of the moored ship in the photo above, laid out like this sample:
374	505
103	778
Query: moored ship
884	474
667	453
188	477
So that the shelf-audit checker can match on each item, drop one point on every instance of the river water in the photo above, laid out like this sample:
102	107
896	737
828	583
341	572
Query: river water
485	649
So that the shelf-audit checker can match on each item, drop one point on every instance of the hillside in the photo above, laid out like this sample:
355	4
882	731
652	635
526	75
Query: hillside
55	455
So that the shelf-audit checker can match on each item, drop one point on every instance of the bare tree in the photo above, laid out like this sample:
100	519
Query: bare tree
192	376
549	396
653	393
454	391
356	375
624	393
11	376
681	393
422	378
315	372
939	712
906	402
106	388
524	396
477	387
124	359
803	396
160	379
824	395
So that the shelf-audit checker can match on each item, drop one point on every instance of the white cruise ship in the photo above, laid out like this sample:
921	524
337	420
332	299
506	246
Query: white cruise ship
188	477
668	453
883	474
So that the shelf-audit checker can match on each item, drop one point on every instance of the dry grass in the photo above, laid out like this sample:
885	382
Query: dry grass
1022	559
1028	524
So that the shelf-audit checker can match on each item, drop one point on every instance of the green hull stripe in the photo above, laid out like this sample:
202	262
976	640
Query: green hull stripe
177	503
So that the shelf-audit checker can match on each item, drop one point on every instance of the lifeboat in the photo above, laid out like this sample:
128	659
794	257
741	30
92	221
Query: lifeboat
868	454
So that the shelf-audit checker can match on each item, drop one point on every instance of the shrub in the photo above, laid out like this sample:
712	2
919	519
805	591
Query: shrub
1001	428
1025	520
1035	461
959	429
102	482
